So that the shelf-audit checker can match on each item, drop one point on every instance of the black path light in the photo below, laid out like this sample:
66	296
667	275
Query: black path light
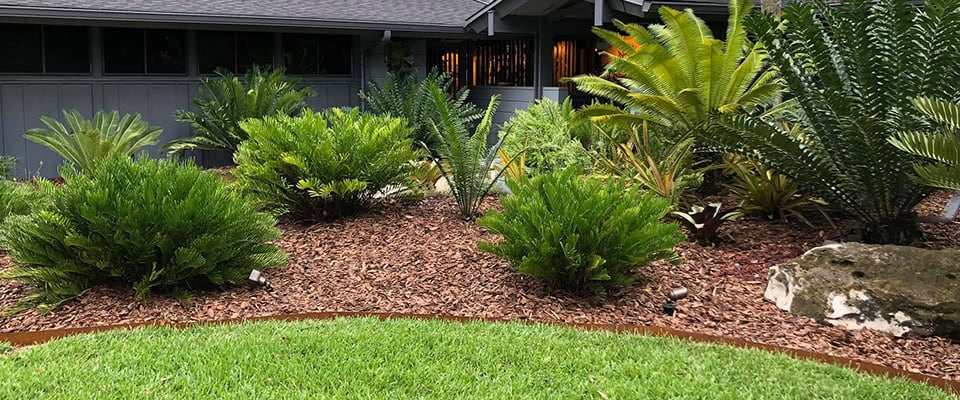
675	295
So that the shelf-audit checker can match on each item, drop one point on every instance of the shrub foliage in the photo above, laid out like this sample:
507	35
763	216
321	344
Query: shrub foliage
21	198
763	191
326	164
852	70
550	134
580	234
7	166
158	225
85	143
225	101
663	168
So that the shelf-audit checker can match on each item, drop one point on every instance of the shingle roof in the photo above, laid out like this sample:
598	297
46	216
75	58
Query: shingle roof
435	13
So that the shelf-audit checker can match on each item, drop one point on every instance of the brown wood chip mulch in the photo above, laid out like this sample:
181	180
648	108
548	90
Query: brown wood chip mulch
422	258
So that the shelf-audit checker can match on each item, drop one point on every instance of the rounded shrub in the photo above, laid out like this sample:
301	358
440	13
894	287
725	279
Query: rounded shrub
158	225
21	198
551	136
578	233
324	165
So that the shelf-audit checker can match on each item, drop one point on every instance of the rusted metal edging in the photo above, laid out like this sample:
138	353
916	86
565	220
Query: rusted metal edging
38	337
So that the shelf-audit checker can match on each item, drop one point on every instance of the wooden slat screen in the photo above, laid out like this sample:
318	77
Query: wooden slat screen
486	62
574	57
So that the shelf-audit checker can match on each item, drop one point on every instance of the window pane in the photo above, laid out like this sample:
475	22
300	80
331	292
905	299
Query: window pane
67	49
215	50
166	51
335	55
21	48
123	51
254	48
300	54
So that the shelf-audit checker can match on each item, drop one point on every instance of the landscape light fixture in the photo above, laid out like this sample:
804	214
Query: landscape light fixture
670	307
257	278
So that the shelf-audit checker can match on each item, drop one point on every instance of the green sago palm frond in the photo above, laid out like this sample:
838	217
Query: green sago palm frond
464	157
227	100
850	70
84	142
676	74
941	145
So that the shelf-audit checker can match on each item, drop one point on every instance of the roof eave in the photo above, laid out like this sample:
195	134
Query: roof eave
133	16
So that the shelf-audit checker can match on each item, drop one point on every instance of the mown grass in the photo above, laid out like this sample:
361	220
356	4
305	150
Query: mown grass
370	359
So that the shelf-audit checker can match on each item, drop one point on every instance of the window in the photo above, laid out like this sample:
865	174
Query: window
22	48
66	49
305	54
44	49
234	51
144	51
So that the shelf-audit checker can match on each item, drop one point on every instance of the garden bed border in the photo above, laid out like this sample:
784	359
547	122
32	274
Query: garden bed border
952	386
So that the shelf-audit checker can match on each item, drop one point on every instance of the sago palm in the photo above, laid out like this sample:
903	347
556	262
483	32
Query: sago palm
942	145
464	157
677	73
226	101
84	142
852	70
402	95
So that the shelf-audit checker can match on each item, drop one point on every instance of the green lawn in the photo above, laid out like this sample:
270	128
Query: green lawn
367	358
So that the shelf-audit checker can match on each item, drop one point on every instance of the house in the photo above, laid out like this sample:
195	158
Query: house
145	56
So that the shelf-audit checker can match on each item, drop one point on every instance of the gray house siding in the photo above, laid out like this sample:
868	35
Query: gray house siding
25	98
22	103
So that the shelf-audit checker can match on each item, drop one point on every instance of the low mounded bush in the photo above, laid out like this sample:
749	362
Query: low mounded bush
580	234
324	165
551	136
158	225
19	198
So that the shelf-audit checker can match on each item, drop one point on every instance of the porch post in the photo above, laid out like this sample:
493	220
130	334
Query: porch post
601	13
491	18
543	73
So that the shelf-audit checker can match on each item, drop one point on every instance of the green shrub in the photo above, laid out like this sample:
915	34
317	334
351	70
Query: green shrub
402	95
463	157
324	165
550	133
578	233
861	63
21	198
226	101
662	168
85	142
158	225
763	191
7	166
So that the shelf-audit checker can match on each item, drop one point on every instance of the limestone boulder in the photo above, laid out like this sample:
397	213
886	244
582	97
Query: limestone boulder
906	291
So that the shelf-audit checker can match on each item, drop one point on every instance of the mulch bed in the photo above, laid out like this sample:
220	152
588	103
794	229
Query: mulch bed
421	258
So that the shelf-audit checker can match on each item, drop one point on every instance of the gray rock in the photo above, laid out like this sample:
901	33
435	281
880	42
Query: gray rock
906	291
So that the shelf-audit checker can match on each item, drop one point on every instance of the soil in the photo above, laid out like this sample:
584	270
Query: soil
422	258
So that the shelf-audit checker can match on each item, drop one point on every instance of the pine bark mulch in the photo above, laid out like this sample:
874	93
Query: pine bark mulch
421	258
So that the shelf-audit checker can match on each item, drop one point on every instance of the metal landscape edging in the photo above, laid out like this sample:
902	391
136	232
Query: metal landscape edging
952	386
